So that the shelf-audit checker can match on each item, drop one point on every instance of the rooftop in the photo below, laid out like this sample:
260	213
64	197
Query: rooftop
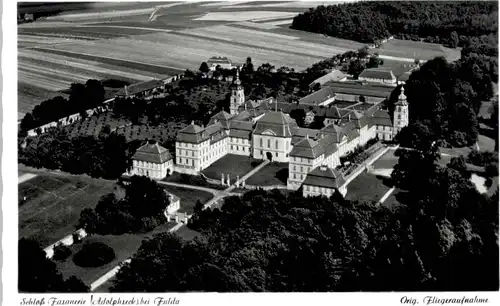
334	75
278	123
323	176
139	87
318	97
307	148
219	60
377	73
153	153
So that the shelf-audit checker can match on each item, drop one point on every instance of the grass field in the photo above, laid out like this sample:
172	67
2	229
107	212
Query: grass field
231	164
189	197
420	50
366	187
272	174
124	246
54	203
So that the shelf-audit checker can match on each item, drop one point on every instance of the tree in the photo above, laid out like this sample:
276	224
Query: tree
248	66
204	67
75	285
459	164
363	52
454	39
94	254
198	207
355	68
299	115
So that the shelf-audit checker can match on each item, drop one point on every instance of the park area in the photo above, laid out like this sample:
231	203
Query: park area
54	202
124	247
234	165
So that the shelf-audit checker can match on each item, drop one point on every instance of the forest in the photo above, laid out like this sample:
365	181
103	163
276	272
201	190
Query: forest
450	23
441	237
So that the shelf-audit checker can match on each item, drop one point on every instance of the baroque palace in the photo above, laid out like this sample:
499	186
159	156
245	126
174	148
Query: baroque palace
264	130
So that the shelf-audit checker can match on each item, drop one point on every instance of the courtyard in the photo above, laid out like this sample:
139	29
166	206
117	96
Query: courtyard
234	165
273	174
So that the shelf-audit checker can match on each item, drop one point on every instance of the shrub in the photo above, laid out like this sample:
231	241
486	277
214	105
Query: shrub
491	169
488	182
94	255
61	252
76	238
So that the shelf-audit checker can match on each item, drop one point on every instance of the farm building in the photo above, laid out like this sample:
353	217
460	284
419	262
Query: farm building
335	75
378	75
321	97
222	61
143	89
152	160
359	92
323	181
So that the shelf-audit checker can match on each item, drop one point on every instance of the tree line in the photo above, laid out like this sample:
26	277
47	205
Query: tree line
81	97
449	23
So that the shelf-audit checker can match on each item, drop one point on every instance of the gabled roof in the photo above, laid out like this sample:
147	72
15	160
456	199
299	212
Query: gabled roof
334	75
381	117
219	60
191	134
240	129
307	148
139	87
323	176
334	132
278	123
153	153
318	97
215	132
377	73
222	117
357	118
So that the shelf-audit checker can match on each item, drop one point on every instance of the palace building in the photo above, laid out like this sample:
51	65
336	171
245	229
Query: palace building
264	130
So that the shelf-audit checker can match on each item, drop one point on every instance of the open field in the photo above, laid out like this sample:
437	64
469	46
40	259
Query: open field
124	246
54	203
231	164
420	50
271	175
189	197
366	187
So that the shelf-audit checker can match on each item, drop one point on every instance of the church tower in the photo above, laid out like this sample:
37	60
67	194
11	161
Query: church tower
237	95
401	118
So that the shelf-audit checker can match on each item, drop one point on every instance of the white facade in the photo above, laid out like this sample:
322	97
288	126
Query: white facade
269	145
152	170
313	191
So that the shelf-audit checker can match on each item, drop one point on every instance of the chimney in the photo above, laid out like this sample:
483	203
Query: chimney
323	167
192	122
349	117
126	91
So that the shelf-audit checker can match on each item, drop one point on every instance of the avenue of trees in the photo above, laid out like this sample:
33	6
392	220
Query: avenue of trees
38	274
140	210
449	23
81	97
107	156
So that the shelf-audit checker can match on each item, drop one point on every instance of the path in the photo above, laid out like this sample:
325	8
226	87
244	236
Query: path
218	195
386	195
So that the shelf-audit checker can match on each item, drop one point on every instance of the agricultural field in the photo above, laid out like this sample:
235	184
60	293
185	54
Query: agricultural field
54	202
396	48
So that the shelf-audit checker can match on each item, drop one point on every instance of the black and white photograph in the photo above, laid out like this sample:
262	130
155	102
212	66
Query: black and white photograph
254	146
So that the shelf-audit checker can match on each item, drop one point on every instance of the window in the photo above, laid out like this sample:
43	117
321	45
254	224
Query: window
294	176
301	169
261	153
231	147
276	144
269	143
261	145
276	154
293	167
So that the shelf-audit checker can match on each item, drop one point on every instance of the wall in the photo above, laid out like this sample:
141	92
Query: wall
279	147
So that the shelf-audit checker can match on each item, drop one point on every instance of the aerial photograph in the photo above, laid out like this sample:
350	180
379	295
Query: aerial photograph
257	146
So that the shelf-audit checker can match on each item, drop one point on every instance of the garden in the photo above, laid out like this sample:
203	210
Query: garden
234	165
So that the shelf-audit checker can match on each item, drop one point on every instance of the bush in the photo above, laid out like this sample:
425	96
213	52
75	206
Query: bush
94	255
61	252
491	169
488	182
76	238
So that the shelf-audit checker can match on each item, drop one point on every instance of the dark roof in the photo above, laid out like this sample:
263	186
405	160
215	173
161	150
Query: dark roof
192	134
357	88
328	144
334	132
307	148
324	177
153	153
222	117
139	87
357	118
334	75
219	60
279	123
381	117
377	73
318	97
240	129
215	132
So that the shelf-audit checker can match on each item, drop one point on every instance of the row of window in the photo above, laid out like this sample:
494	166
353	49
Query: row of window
139	163
244	149
316	189
276	144
181	161
301	168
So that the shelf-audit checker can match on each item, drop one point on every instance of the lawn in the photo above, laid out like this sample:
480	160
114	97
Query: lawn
54	203
234	165
396	198
189	197
272	174
366	187
124	246
414	49
186	233
195	180
386	161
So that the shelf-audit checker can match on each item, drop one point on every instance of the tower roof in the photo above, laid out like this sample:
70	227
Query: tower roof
236	81
402	97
